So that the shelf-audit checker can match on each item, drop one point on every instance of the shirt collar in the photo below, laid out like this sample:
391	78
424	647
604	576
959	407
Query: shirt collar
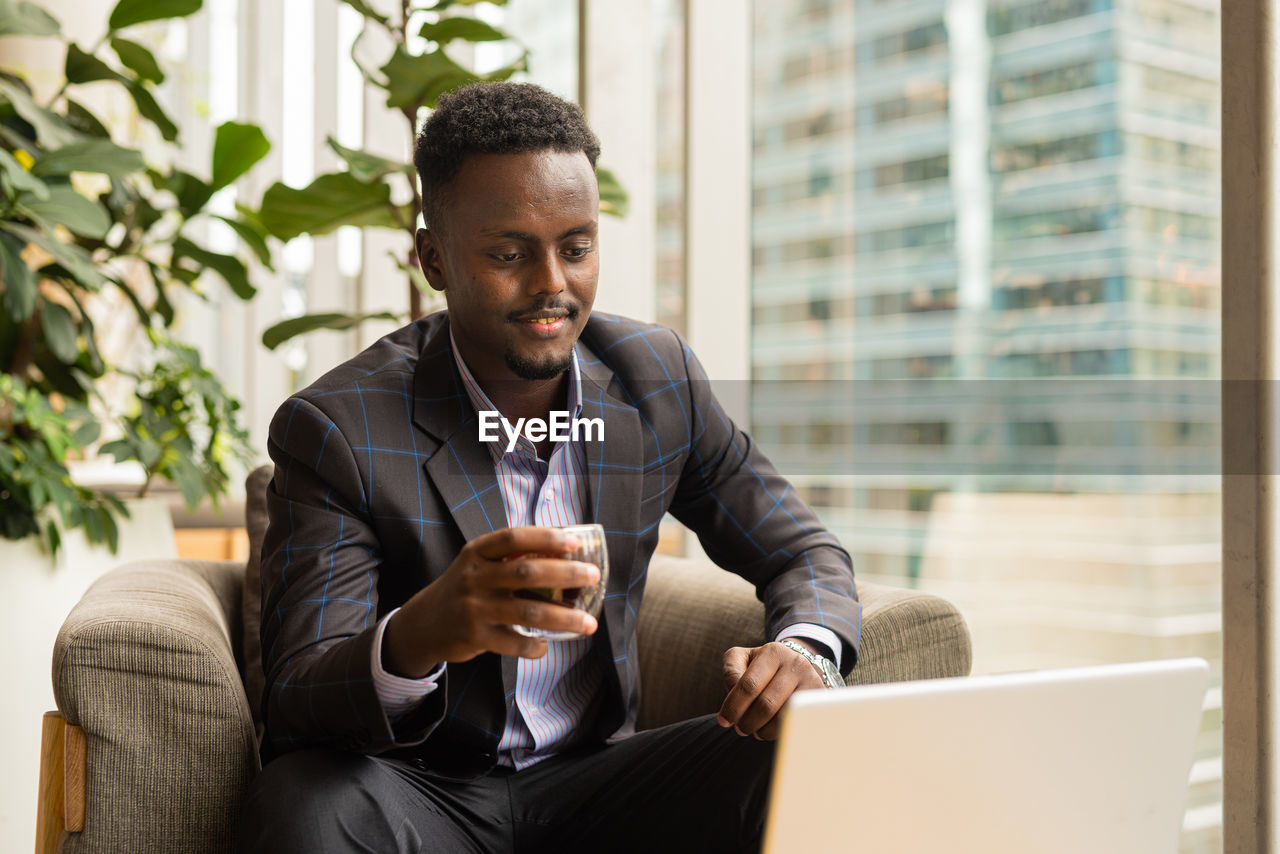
481	402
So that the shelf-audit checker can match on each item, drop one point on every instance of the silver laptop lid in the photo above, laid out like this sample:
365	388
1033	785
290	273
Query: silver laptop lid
1053	762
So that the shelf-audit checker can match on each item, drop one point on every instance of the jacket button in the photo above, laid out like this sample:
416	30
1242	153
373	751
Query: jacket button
488	757
419	764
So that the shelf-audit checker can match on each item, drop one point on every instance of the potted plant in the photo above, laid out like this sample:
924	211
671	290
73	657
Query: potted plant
90	227
362	194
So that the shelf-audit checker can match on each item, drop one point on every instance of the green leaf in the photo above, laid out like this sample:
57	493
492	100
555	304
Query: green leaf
138	59
59	332
144	316
236	149
468	29
18	18
331	201
130	12
445	4
84	67
52	130
75	259
19	294
295	326
229	267
193	194
68	208
150	110
414	272
22	180
87	433
110	528
120	449
367	11
613	196
85	122
506	71
94	155
419	80
368	167
252	236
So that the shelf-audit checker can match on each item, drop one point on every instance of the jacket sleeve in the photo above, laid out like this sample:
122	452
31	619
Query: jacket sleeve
320	567
750	520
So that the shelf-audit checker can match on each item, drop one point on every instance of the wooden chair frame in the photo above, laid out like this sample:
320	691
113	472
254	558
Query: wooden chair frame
60	806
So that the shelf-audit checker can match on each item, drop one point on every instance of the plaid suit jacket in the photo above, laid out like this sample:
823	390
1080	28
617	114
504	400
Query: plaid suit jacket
380	479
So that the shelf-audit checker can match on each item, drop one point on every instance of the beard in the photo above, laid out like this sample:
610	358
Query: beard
529	369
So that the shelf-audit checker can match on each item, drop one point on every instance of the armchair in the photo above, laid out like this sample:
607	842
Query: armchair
154	741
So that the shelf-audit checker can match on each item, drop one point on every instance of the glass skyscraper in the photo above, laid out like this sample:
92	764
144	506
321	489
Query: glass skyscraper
985	303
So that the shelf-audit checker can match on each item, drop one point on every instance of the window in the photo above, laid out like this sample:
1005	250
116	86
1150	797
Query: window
1055	223
1052	81
920	299
929	100
909	237
1008	18
933	168
930	38
1009	158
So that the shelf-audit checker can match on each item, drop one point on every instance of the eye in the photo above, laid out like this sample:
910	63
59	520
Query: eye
506	257
577	251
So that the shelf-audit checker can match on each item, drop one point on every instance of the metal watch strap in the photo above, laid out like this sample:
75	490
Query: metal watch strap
813	659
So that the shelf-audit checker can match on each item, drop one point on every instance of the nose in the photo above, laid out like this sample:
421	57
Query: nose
548	276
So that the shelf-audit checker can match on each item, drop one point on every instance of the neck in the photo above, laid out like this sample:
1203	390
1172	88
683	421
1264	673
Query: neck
527	398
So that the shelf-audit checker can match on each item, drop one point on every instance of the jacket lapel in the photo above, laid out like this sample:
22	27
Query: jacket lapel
614	473
461	469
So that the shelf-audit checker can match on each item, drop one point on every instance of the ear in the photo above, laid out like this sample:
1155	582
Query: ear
429	258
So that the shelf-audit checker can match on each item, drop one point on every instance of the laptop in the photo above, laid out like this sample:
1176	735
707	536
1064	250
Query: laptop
1093	759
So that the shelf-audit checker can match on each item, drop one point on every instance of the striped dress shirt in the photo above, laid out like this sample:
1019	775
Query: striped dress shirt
553	693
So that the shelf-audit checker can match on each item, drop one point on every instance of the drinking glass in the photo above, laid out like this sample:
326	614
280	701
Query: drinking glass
591	549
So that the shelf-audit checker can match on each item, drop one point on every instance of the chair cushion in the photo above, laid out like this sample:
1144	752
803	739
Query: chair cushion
255	521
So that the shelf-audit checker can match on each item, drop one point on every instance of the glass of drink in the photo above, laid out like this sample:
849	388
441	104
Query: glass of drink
591	549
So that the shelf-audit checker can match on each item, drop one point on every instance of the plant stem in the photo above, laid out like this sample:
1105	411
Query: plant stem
25	351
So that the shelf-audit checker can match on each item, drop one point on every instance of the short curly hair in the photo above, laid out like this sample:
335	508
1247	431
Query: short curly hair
493	118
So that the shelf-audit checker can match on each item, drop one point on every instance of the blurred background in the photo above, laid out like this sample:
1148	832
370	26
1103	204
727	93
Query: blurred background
953	263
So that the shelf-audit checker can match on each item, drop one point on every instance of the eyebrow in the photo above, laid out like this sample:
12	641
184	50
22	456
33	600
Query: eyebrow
526	236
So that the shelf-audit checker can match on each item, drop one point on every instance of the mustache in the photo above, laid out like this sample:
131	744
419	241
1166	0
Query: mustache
542	308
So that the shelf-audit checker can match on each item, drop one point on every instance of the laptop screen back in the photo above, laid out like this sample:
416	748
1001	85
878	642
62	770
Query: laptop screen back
1053	762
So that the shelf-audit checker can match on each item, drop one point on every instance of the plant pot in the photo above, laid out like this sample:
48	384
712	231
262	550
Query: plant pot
36	594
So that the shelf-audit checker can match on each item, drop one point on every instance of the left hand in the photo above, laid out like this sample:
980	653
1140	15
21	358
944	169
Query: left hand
759	682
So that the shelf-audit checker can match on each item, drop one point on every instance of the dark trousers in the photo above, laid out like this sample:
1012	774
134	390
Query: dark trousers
691	786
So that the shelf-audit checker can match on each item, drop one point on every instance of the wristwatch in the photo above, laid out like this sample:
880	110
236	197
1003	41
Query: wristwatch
826	667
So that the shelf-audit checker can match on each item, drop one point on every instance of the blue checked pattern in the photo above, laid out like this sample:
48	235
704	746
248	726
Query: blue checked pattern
380	480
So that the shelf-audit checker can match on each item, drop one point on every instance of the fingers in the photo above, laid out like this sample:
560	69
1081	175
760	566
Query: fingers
535	614
538	571
508	541
773	673
504	640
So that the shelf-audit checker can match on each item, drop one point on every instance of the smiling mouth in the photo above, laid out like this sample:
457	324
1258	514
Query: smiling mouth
546	315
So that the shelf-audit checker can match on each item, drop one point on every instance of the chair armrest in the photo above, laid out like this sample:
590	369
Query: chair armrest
907	634
146	666
693	611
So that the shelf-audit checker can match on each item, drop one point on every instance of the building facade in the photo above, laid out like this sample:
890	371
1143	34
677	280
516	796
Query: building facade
985	315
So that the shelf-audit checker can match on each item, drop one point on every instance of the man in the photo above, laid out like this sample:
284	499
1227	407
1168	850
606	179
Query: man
404	711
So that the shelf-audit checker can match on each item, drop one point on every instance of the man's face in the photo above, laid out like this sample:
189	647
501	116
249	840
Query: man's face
516	259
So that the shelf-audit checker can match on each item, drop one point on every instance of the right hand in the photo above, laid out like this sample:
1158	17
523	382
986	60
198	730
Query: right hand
470	609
